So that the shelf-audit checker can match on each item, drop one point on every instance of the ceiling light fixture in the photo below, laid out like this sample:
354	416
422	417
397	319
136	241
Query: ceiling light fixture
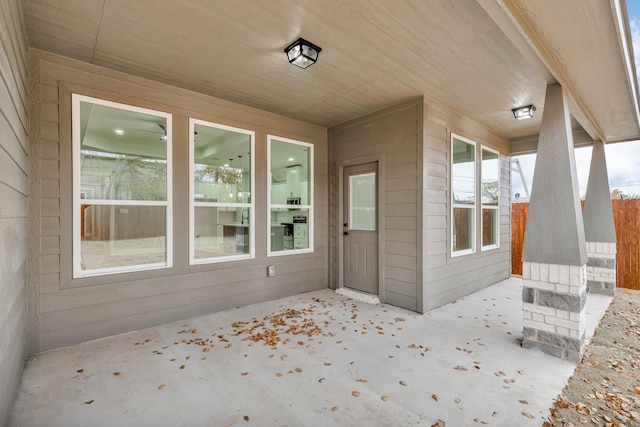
302	53
523	113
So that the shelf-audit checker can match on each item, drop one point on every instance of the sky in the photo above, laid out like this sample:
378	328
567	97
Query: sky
623	159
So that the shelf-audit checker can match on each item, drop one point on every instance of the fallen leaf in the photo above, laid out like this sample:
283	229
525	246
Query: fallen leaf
246	418
284	356
434	397
161	386
362	380
334	409
524	402
355	393
89	402
299	370
384	398
278	374
528	415
438	423
82	370
182	366
457	400
402	383
116	374
460	368
244	374
495	414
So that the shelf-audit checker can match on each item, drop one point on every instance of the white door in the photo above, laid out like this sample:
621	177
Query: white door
360	232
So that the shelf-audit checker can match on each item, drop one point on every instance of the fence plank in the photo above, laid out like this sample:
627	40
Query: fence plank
627	223
518	222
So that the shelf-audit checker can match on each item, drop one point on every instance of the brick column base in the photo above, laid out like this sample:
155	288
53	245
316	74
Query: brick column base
554	298
601	268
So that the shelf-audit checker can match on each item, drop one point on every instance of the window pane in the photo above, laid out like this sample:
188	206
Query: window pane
221	165
463	172
289	229
463	228
120	235
490	172
362	202
290	173
123	154
221	231
489	227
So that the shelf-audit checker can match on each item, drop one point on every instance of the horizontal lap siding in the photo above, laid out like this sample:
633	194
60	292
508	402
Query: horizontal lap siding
13	202
394	137
75	310
447	278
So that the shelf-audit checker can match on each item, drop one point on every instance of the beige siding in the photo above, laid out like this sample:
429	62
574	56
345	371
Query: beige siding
393	137
74	310
412	143
447	278
13	201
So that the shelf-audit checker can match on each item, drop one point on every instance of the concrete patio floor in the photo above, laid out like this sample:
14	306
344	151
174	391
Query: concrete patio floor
350	363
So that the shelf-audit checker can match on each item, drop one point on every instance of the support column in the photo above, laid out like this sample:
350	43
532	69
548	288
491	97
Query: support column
554	253
599	227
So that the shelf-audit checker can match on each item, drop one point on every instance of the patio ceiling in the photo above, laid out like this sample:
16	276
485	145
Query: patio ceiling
481	58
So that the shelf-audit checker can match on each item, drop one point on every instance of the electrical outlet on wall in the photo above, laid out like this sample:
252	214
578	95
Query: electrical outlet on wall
271	270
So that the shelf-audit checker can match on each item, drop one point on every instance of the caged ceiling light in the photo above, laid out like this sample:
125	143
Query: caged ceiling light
523	113
302	53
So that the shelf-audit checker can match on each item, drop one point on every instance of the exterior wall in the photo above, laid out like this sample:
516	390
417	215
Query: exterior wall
68	310
412	143
393	138
13	201
445	278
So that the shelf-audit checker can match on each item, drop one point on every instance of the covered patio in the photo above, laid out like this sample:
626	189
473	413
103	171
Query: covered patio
329	360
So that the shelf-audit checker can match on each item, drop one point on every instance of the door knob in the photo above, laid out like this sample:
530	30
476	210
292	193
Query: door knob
346	233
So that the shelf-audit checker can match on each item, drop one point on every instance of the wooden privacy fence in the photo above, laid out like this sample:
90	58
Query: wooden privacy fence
627	222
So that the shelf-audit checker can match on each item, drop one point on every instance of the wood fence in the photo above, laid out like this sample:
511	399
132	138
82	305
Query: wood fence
627	222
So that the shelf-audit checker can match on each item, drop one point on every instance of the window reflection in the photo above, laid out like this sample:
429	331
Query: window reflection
221	192
121	187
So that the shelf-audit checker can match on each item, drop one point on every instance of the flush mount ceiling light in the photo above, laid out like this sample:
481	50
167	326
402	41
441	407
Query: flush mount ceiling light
523	113
302	53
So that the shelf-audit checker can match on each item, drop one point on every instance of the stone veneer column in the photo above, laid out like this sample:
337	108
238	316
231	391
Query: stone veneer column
555	254
554	318
601	268
599	226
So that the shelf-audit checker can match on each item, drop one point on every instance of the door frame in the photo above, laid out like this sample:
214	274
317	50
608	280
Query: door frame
355	161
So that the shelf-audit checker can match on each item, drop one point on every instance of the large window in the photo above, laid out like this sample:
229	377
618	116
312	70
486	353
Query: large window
463	199
290	195
121	188
490	195
221	191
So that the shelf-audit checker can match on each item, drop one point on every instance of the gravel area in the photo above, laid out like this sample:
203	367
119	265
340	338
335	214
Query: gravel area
605	389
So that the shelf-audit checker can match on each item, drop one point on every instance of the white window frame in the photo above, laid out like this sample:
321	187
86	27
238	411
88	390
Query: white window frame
473	207
193	204
78	272
483	206
309	207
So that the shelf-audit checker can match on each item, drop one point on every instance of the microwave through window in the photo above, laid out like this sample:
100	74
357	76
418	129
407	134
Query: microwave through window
293	200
